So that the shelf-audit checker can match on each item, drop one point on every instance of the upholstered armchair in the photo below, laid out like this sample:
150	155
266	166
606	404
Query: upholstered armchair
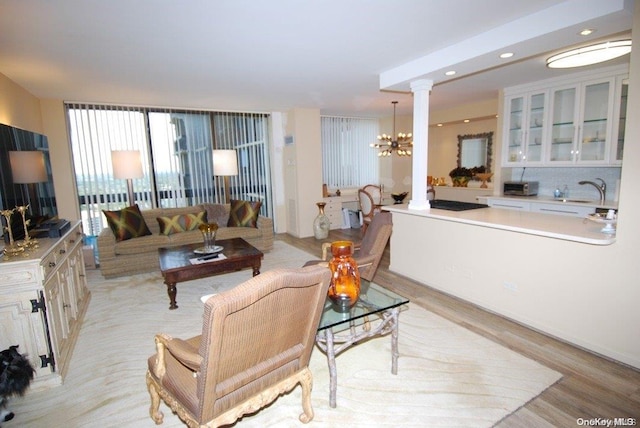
369	251
255	344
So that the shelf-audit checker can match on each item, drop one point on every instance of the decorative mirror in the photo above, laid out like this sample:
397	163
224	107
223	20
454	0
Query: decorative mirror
475	150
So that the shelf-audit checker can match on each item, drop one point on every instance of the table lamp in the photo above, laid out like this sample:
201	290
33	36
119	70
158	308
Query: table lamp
27	167
225	164
127	166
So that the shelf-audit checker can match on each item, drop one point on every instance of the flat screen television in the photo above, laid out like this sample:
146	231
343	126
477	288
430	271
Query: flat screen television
42	198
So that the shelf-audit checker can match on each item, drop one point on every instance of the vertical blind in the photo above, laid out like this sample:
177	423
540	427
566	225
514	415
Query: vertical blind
176	150
347	158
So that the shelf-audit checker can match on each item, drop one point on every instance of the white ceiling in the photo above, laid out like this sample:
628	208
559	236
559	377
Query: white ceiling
254	55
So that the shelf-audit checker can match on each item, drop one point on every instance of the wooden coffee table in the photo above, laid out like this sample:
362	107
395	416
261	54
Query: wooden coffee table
176	267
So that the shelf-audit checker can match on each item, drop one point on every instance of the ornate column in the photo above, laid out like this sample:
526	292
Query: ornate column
421	90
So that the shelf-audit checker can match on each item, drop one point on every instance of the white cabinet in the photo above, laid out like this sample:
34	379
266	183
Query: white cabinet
43	299
573	121
525	128
581	123
620	112
333	210
575	209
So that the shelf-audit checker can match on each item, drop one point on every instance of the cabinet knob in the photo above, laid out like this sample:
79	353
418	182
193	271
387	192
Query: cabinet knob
62	251
66	305
52	264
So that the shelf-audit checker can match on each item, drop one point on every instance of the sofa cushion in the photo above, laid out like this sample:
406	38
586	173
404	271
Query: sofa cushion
244	213
181	222
127	223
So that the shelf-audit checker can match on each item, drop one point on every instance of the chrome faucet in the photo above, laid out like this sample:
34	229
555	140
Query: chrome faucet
602	188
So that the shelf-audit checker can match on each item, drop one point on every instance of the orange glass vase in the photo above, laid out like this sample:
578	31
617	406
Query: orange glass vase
344	288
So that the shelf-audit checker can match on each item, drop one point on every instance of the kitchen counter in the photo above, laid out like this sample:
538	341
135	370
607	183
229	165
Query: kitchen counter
548	225
578	202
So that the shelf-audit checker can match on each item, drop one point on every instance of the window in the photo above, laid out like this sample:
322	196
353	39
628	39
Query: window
347	158
176	149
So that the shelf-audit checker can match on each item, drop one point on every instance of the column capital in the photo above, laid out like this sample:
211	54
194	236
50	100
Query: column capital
421	85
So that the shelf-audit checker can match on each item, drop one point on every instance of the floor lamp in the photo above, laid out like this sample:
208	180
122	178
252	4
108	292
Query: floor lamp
127	166
225	164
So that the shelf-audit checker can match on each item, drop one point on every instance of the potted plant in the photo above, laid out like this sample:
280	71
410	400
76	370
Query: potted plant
460	176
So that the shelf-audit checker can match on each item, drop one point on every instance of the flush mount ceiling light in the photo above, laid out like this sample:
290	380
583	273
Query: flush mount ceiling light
588	55
400	143
506	55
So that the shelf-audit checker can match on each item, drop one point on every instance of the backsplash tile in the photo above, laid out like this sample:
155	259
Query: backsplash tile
550	178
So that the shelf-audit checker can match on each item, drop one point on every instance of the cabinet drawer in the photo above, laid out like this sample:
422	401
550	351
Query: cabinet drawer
72	239
19	275
510	205
568	210
49	263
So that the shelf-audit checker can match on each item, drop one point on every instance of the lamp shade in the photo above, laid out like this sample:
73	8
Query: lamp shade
28	167
126	164
225	162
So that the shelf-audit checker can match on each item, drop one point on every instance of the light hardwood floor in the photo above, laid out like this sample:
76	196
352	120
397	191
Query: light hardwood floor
591	387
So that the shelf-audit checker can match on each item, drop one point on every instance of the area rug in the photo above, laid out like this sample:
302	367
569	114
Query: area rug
447	375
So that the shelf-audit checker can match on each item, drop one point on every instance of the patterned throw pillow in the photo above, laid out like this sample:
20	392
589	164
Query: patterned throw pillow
127	223
181	222
244	213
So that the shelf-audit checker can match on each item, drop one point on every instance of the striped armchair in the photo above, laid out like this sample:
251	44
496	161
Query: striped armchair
256	344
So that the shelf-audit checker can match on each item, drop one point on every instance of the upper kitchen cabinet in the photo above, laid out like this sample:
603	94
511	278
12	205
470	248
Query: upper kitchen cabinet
573	121
581	123
525	128
622	87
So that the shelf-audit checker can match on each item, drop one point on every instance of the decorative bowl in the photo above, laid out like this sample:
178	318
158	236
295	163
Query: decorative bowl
399	197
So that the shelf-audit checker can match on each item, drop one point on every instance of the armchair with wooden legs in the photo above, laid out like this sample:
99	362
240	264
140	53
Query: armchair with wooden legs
255	345
369	251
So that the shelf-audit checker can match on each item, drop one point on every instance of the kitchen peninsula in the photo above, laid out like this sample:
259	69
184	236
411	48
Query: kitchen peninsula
541	270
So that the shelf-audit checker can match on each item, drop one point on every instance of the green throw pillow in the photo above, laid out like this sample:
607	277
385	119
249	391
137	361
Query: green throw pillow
244	213
181	222
127	223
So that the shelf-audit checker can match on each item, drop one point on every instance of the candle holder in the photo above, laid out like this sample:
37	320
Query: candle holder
29	242
13	249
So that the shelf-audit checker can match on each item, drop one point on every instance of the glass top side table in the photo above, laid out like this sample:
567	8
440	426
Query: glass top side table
355	325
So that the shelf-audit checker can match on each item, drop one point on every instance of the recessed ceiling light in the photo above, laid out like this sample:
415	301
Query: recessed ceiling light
439	124
450	73
588	55
466	121
506	55
586	31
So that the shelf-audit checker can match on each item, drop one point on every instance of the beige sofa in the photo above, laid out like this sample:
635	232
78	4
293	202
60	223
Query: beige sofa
139	255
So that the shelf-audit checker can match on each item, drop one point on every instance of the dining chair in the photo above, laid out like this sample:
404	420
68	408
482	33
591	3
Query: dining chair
369	201
255	345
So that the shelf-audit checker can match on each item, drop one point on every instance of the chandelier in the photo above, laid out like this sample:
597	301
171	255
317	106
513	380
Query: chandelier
401	144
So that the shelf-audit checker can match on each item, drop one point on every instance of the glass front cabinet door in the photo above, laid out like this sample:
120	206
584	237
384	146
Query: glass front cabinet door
581	125
525	128
620	112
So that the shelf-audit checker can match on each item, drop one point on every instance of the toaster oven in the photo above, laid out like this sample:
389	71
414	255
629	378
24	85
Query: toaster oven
520	188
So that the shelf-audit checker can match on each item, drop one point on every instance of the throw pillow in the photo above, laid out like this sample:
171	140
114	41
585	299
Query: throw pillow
244	213
127	223
181	222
